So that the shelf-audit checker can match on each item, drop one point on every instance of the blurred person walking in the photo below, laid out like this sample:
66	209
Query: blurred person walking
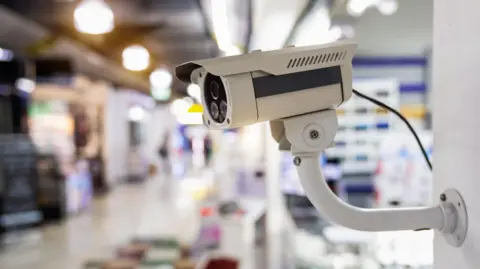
164	153
207	150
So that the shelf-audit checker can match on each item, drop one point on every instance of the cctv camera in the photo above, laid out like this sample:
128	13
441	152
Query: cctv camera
295	89
270	85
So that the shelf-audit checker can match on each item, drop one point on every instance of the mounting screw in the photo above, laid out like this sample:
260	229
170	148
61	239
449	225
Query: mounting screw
314	134
443	197
297	161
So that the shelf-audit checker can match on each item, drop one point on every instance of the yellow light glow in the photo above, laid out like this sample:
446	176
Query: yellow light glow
94	17
195	108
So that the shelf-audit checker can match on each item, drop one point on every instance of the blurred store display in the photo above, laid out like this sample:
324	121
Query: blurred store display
86	63
19	188
402	177
53	130
363	126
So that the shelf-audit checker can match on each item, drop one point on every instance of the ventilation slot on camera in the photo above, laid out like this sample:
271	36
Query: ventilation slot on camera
316	59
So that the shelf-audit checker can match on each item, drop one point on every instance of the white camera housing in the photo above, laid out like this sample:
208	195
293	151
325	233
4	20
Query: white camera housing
264	86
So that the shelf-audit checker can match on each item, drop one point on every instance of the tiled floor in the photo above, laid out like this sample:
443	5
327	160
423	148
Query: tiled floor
128	211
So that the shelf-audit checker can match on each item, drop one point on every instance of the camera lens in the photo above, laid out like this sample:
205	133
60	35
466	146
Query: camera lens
223	108
214	90
221	118
215	97
214	110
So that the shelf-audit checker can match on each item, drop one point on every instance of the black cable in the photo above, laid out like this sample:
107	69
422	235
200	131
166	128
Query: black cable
394	111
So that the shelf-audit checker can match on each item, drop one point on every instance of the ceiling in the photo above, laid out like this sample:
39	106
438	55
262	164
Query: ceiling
174	31
408	32
166	27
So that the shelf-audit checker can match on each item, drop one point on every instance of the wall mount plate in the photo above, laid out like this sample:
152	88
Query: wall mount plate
458	235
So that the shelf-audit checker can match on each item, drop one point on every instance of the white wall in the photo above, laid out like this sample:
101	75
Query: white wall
159	122
455	121
116	135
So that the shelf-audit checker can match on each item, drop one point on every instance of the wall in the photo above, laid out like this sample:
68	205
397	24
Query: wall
407	32
455	122
116	135
159	122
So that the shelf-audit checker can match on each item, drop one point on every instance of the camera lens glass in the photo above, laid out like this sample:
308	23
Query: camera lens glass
223	108
214	90
215	96
214	111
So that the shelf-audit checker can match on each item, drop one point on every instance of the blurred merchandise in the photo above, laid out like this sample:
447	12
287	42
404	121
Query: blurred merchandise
51	184
332	171
402	176
55	133
79	191
142	253
152	170
19	207
407	249
363	125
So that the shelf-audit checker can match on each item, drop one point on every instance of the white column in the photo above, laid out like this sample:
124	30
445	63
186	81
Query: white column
275	204
456	120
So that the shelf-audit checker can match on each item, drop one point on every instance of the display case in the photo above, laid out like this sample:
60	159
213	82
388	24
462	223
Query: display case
19	206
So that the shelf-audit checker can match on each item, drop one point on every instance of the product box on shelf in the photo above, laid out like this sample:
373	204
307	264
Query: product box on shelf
402	176
362	125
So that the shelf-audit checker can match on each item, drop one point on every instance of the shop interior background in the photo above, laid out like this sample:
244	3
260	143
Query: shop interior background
106	163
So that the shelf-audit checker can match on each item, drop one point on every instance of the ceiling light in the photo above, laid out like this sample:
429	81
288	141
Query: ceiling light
387	7
25	85
335	32
357	7
136	113
179	107
93	17
348	31
188	100
161	78
194	91
161	94
5	55
136	58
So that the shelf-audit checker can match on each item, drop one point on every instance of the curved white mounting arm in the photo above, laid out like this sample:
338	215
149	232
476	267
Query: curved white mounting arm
310	134
374	220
